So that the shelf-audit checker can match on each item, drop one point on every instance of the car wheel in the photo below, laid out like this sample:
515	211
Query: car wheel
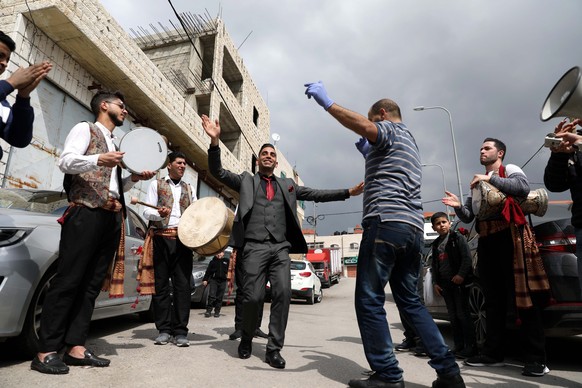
320	296
478	313
28	340
311	297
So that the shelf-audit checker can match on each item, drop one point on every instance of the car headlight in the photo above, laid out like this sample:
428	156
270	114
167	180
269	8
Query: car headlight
198	275
11	236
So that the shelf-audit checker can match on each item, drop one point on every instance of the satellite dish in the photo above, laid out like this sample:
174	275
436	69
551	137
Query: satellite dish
276	137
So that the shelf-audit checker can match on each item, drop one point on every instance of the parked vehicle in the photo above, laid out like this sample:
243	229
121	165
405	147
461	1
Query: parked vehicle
327	263
199	294
557	244
29	249
304	282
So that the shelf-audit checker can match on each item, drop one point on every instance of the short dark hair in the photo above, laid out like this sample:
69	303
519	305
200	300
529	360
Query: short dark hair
389	106
104	95
7	41
438	215
266	145
498	144
175	155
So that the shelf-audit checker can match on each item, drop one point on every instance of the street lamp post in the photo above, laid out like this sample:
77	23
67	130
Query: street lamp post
444	181
419	108
312	220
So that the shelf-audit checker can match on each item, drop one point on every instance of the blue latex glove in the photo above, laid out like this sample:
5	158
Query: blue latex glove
319	94
363	146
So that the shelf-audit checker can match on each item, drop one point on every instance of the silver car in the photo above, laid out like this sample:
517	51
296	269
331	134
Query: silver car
29	249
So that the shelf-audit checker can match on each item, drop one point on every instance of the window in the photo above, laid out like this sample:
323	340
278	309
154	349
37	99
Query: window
354	246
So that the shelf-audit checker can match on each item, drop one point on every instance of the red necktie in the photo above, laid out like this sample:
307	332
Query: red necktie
270	190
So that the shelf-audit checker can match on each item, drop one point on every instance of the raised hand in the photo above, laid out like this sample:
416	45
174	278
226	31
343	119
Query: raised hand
25	80
319	94
212	129
451	200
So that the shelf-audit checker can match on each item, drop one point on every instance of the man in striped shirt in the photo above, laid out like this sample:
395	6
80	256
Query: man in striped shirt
391	244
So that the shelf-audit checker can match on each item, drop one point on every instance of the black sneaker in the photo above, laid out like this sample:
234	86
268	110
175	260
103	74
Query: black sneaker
419	351
535	369
406	345
483	360
455	381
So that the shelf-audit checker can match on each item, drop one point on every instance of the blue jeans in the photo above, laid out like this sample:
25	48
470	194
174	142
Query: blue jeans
390	252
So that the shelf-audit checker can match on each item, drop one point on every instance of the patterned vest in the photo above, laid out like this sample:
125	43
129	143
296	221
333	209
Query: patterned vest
91	188
166	198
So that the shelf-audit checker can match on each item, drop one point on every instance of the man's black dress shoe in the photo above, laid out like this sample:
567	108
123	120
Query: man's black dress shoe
89	360
376	381
260	333
274	359
237	334
245	348
51	365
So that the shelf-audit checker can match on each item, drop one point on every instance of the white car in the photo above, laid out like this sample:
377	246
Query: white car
304	282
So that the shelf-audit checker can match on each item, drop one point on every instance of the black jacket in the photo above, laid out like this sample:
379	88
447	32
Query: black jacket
563	172
459	256
217	269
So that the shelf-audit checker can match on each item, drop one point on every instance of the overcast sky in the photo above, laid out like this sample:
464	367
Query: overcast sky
491	63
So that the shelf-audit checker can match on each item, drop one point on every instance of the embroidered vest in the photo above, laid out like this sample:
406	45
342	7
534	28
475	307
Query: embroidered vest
90	188
166	198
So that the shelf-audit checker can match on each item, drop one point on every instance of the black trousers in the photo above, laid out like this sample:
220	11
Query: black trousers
172	260
495	269
457	300
238	298
216	289
89	239
264	261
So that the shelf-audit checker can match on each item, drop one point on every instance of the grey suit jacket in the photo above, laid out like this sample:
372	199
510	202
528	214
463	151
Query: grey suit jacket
248	185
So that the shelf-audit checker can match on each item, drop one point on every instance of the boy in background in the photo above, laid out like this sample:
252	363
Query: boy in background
452	270
215	277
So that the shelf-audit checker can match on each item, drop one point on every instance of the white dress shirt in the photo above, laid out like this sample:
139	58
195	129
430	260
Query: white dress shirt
152	198
74	161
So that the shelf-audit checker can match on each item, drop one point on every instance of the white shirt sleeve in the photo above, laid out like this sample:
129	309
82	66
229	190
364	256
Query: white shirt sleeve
73	159
152	198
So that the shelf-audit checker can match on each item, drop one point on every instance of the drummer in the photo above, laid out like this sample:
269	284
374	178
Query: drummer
171	259
266	227
501	264
91	234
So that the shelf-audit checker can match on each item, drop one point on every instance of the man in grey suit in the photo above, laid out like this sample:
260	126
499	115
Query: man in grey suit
265	231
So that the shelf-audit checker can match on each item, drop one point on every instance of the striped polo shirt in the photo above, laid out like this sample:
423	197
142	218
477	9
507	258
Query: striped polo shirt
393	176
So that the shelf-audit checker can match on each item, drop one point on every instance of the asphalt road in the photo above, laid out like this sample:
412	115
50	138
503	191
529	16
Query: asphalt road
322	349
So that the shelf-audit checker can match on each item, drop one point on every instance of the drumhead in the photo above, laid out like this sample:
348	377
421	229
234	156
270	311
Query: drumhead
145	149
202	222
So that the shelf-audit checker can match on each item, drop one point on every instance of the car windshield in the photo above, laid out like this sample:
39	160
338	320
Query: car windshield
42	201
298	265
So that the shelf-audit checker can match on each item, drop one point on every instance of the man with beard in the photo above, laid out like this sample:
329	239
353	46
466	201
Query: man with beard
508	283
266	229
91	234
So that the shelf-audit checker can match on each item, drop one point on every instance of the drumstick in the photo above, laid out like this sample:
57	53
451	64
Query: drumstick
135	200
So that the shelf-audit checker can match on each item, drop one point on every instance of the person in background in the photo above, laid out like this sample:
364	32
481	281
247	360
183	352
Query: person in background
215	279
452	271
16	120
390	250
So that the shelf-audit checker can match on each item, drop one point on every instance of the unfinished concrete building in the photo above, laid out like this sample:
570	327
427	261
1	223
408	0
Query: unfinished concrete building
170	76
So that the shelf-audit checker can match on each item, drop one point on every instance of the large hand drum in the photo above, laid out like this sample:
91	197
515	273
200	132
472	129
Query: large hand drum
205	226
489	201
145	149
